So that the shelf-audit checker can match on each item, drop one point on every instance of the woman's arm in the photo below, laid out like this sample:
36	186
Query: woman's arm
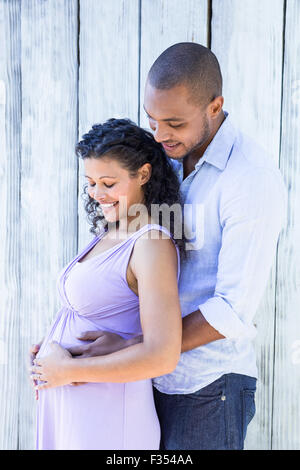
154	264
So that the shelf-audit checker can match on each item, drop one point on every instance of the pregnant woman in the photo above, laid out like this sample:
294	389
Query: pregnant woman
123	282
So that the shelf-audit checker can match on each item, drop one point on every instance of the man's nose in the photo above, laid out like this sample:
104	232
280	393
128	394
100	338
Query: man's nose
161	133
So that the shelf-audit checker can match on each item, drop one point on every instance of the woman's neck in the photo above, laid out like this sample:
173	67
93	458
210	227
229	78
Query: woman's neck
125	227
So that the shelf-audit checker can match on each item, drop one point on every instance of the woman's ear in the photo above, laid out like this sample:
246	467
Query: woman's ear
144	173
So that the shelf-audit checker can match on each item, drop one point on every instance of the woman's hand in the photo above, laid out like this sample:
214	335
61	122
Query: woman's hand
53	369
34	349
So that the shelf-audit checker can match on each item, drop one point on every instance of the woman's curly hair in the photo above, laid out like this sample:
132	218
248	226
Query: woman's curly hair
132	147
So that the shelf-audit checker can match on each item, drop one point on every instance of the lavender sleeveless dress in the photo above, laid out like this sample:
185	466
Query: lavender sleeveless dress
95	296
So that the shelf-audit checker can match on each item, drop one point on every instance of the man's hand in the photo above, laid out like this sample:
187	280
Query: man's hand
103	342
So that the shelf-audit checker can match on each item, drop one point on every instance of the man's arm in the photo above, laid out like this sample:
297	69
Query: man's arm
196	331
101	343
252	214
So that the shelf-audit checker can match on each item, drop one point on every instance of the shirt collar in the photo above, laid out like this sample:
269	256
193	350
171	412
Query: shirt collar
218	151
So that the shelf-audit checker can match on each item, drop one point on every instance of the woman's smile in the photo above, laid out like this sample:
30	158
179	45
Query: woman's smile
108	205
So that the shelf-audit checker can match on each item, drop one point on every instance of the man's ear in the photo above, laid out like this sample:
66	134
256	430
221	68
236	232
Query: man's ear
145	173
216	106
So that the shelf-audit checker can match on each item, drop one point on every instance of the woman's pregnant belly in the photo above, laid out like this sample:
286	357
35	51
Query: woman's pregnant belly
69	324
110	407
66	328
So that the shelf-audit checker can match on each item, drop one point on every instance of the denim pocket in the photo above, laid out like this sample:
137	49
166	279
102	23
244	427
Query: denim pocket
213	391
248	399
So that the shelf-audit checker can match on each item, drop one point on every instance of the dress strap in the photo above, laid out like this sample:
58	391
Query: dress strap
146	228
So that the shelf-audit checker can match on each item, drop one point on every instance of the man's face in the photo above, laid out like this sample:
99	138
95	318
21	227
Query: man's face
179	125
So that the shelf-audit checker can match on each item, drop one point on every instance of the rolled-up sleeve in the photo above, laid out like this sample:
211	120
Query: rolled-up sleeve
252	214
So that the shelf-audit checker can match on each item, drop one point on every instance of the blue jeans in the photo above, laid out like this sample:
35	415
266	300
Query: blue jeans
213	418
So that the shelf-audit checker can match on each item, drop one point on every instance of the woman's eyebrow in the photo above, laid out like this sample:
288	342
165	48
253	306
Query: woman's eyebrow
100	177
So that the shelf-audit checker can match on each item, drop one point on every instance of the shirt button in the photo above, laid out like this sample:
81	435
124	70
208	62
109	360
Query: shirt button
223	397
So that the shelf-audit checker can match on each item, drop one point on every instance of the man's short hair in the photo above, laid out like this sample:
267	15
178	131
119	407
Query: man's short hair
189	64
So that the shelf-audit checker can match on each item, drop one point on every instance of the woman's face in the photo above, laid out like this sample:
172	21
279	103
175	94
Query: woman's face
109	183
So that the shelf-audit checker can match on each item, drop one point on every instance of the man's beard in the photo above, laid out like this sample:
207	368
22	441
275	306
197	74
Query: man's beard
204	138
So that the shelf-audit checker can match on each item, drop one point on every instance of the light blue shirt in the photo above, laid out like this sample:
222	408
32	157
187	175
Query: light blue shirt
244	202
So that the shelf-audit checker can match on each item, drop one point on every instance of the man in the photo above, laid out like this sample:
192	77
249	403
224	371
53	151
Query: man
208	401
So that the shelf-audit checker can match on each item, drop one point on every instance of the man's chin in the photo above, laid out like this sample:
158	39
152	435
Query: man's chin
176	155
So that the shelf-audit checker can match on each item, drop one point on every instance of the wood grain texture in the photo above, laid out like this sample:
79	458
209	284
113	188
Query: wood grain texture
10	154
248	44
46	103
109	72
48	225
286	413
166	22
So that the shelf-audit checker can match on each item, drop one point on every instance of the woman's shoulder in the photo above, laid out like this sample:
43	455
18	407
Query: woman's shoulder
155	232
153	243
150	233
154	253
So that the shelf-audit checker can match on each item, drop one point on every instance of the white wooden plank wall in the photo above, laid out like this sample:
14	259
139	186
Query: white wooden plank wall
252	92
163	23
286	406
10	147
48	174
109	72
67	64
